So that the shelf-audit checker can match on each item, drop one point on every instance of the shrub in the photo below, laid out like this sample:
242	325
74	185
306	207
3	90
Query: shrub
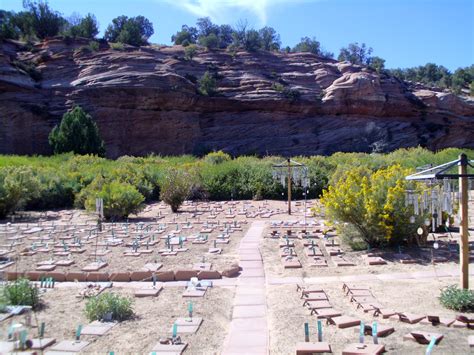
21	293
207	84
77	133
461	300
373	203
176	188
29	68
292	94
18	185
217	157
117	46
120	199
94	46
105	305
190	51
134	30
278	87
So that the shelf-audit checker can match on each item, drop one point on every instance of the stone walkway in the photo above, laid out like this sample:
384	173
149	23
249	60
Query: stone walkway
248	332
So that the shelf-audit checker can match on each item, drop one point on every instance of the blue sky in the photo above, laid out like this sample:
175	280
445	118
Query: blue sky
403	32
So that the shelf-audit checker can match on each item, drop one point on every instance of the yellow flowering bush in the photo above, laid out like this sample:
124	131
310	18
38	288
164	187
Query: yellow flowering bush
369	207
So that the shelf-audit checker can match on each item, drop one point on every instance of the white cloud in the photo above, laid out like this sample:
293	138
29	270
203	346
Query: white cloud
223	10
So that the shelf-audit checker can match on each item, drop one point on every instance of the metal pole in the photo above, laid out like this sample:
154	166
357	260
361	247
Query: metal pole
289	186
463	225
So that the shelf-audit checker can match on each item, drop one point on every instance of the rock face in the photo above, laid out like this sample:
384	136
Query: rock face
146	100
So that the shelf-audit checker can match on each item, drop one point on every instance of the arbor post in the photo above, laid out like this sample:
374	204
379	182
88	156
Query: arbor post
463	225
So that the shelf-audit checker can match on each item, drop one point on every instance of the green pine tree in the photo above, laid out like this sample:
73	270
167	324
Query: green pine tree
77	133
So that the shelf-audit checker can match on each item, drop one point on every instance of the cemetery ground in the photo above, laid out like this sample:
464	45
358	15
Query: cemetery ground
276	252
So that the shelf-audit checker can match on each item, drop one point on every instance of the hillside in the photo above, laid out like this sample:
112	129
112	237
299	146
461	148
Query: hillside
146	100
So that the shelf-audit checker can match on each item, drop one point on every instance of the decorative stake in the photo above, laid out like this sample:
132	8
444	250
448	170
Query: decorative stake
320	331
306	332
361	332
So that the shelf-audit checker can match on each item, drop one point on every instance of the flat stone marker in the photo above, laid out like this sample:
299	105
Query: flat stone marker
345	322
97	328
148	292
169	349
132	253
65	262
152	267
194	293
6	347
187	325
366	349
41	344
70	346
4	266
311	348
215	251
46	267
202	266
95	266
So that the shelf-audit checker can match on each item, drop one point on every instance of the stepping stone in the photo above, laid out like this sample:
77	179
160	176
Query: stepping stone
70	346
169	349
95	266
344	321
250	311
41	344
97	328
312	348
187	325
148	292
366	349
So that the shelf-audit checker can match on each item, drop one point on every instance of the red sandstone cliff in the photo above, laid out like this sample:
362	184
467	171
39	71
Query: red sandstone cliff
145	100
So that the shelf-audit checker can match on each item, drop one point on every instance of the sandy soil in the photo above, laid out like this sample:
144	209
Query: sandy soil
63	312
287	317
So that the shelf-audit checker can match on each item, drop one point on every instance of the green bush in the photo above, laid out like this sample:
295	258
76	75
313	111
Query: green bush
461	300
190	51
18	185
107	304
207	84
120	199
217	157
94	46
21	293
29	68
176	188
117	46
77	133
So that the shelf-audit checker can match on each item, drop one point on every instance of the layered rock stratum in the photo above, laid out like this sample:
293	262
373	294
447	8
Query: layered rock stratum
145	100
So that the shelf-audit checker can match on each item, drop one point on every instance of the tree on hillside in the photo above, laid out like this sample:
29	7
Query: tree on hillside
311	45
77	133
355	53
377	63
270	39
188	35
86	27
39	20
134	30
8	28
307	44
